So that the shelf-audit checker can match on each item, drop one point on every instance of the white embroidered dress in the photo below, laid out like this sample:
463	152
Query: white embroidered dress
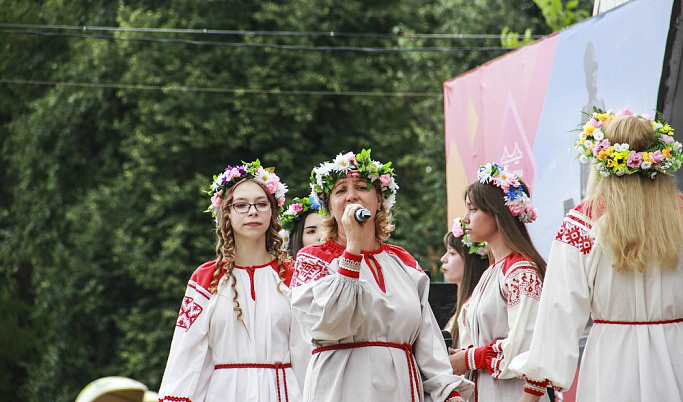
356	319
464	339
214	357
500	320
634	350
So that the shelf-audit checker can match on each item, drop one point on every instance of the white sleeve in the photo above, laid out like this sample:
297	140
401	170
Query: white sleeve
188	368
562	316
523	287
300	350
431	355
330	308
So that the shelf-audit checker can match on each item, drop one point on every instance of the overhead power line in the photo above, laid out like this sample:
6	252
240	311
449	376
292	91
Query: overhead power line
265	45
85	28
216	90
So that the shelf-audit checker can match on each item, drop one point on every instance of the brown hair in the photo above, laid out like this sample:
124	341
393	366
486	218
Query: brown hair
639	219
296	238
225	248
490	199
474	267
329	228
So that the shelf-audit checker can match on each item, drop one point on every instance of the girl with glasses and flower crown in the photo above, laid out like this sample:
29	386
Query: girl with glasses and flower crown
362	304
502	308
463	264
231	340
618	259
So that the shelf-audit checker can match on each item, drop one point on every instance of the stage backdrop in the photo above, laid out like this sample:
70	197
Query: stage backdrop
521	109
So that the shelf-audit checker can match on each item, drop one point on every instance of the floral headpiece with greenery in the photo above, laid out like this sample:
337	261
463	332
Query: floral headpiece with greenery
252	170
290	218
662	155
324	176
473	247
516	199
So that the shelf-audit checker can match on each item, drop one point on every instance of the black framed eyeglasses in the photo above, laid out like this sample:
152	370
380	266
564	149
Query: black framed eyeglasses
243	207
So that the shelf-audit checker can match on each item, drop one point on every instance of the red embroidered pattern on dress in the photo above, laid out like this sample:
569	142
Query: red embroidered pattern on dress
574	235
523	282
175	399
308	268
189	312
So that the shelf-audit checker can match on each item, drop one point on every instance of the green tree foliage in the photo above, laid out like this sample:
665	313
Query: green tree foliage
101	218
557	16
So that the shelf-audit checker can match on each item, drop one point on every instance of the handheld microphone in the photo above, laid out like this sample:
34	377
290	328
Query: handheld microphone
362	215
447	338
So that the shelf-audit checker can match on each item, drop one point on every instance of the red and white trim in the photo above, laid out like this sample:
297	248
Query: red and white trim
454	398
469	359
535	387
349	265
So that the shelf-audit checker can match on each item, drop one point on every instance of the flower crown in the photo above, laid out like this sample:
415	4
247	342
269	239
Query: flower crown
516	199
662	155
473	247
324	176
290	218
253	170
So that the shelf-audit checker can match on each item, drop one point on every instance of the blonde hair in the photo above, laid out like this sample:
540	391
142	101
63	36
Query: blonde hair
640	220
225	248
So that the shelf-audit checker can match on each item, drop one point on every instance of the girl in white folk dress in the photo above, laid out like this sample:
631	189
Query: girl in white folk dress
463	264
502	310
617	257
362	304
231	341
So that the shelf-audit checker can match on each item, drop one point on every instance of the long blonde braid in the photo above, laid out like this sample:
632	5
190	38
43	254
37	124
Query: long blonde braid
225	253
274	246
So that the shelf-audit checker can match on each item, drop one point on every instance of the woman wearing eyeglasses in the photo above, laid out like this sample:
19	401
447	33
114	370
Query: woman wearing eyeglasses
231	340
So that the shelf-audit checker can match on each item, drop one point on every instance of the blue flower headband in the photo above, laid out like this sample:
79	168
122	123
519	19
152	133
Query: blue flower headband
517	201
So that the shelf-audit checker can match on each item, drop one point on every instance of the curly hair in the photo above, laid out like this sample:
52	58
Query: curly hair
225	248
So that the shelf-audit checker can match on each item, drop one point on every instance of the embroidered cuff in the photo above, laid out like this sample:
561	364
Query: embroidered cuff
469	359
454	397
175	399
349	265
535	387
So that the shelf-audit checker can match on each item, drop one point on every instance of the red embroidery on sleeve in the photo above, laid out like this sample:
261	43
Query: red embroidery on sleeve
189	312
308	268
575	235
523	282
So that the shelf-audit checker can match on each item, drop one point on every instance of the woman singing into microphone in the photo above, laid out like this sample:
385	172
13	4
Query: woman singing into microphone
362	304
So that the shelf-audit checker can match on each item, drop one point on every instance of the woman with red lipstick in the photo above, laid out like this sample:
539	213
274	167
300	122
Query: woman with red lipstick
502	309
231	341
362	304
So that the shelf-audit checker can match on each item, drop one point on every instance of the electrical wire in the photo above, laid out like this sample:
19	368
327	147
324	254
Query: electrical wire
216	90
264	45
85	28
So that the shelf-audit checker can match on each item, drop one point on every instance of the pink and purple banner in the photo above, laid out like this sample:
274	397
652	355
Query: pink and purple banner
520	109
